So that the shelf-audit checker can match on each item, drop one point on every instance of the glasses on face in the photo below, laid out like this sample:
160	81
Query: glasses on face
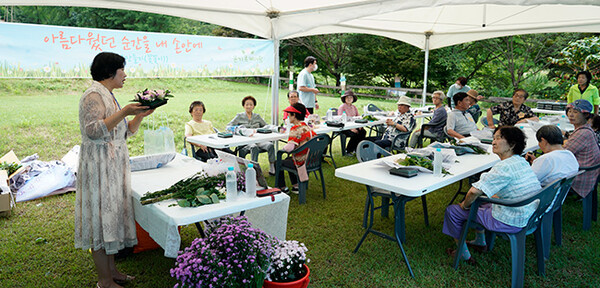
519	96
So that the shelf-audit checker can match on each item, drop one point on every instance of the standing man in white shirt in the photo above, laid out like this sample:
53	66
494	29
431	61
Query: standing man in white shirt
306	85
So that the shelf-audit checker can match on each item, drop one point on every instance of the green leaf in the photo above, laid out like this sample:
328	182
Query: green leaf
204	199
183	203
214	198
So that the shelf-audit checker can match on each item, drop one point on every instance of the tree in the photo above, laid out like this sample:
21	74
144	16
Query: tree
331	51
579	55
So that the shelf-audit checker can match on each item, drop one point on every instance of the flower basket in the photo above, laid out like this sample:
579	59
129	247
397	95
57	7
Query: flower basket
152	98
300	283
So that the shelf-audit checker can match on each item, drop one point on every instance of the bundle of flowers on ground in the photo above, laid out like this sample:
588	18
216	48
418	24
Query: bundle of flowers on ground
287	261
152	98
233	255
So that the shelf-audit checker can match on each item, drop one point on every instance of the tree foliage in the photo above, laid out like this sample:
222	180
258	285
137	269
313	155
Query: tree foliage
578	55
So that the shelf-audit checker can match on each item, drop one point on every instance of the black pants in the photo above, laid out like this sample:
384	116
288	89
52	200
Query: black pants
380	142
310	110
288	163
355	138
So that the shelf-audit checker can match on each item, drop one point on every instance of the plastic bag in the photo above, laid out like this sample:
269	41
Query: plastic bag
56	177
150	161
159	141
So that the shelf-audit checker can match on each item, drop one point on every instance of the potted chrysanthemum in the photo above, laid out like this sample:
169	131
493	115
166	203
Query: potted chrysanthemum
232	255
288	266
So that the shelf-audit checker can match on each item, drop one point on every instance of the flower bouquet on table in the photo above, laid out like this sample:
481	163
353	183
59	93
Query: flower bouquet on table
232	255
152	98
288	266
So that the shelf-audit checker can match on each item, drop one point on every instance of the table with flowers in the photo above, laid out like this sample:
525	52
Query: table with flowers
161	219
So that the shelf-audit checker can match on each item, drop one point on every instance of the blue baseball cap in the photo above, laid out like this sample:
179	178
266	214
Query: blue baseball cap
581	105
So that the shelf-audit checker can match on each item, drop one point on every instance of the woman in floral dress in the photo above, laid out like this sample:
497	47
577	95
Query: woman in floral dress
104	218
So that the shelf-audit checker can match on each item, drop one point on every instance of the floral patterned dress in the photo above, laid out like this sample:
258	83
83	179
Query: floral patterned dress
103	207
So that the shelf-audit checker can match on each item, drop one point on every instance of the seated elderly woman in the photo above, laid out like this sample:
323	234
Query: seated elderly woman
512	112
556	163
439	115
582	142
199	126
300	133
358	134
251	120
403	122
511	178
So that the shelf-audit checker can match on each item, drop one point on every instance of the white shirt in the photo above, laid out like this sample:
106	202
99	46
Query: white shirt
555	165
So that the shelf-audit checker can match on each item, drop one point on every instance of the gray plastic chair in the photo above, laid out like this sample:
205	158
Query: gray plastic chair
517	240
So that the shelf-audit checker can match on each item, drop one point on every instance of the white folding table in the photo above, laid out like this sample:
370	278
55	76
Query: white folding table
161	221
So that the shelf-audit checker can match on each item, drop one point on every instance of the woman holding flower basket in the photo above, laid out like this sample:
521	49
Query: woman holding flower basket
104	220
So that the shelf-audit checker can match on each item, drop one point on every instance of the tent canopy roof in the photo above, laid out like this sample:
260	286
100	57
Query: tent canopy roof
449	22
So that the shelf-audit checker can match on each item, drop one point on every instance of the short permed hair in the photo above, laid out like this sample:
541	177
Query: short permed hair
248	98
105	65
197	103
514	137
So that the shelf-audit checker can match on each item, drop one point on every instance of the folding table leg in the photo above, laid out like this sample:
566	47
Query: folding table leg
399	204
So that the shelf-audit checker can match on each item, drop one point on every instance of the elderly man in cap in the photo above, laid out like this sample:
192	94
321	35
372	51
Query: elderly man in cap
403	122
356	135
460	123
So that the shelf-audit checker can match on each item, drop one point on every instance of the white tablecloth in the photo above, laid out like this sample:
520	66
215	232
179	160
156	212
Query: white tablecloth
161	221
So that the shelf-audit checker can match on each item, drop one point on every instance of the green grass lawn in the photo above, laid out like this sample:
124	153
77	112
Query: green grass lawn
41	116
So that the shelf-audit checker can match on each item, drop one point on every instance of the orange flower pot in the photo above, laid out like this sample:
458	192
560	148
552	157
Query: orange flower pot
300	283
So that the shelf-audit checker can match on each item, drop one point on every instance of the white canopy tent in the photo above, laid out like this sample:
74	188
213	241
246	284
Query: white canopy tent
427	24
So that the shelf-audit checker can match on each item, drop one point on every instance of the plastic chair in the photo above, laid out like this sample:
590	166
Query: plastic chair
428	126
590	202
193	148
372	108
554	217
317	146
367	151
484	121
517	240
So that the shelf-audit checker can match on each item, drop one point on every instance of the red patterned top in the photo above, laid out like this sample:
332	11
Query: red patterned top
300	134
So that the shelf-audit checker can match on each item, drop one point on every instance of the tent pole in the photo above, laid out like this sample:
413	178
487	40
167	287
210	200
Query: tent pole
424	97
275	84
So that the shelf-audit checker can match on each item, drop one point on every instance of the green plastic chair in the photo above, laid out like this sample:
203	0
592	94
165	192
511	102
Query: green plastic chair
317	146
517	240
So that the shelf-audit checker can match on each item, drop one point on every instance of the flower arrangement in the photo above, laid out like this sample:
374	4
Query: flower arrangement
287	262
152	98
233	255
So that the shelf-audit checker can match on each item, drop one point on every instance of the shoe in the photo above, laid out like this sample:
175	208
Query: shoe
128	278
477	248
452	253
285	190
295	190
350	154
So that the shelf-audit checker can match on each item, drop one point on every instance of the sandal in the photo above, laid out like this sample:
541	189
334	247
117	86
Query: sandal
128	278
452	253
477	248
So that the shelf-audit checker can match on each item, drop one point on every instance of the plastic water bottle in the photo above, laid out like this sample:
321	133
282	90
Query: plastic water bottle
250	181
329	115
344	117
437	162
231	184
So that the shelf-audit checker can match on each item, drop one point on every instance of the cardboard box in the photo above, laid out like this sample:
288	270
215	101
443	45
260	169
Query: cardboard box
11	157
6	203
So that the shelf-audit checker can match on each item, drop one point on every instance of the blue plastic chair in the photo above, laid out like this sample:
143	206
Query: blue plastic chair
554	217
440	138
517	240
590	202
317	147
484	121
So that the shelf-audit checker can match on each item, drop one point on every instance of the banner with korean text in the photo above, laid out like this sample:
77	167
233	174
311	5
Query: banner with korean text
41	51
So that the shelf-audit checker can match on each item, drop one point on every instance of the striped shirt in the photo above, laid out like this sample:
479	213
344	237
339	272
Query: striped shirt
510	179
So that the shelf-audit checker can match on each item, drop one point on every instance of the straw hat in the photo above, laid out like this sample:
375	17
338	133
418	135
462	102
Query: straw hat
404	100
474	95
348	93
